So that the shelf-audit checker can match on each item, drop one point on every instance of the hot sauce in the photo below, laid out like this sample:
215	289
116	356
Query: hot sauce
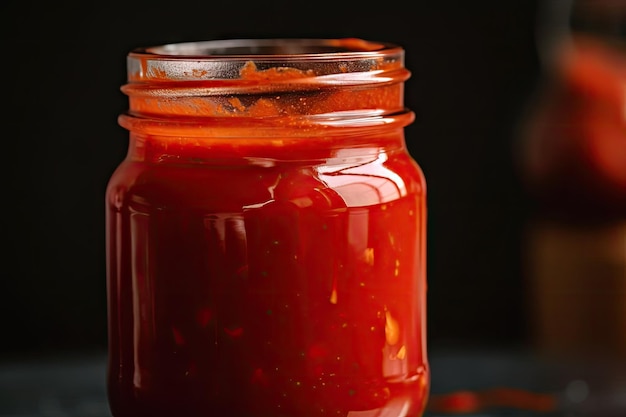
266	234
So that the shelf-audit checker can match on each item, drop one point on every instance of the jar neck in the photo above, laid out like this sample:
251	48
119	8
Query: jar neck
291	88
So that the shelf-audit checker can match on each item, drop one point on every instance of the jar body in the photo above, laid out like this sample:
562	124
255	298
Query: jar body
255	277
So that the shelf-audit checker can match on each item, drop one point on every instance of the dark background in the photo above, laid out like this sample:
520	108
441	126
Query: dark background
474	67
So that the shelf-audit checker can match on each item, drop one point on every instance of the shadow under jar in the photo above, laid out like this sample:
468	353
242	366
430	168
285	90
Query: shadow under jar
266	234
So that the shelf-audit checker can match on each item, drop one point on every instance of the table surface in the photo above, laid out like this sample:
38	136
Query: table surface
477	383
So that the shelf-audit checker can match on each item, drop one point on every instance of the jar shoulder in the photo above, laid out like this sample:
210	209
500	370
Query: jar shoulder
377	180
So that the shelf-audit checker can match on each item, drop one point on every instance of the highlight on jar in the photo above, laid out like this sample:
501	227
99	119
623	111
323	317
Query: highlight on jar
266	234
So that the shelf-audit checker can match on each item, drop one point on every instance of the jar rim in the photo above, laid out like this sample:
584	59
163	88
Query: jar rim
302	58
269	49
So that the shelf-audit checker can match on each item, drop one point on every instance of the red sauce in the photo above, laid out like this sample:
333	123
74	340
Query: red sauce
266	274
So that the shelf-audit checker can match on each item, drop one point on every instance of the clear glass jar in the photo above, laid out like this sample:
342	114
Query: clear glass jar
266	234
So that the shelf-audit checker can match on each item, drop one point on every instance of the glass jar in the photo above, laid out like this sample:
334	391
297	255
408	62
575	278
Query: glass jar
266	234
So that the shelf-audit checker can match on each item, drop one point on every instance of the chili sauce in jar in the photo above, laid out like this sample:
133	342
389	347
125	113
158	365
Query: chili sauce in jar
266	234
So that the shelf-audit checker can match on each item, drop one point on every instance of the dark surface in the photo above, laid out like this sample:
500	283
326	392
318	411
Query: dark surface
74	386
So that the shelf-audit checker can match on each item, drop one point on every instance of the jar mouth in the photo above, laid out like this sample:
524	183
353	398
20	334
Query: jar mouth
274	49
227	60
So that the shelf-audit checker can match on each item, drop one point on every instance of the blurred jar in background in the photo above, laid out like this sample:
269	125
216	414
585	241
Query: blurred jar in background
573	161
